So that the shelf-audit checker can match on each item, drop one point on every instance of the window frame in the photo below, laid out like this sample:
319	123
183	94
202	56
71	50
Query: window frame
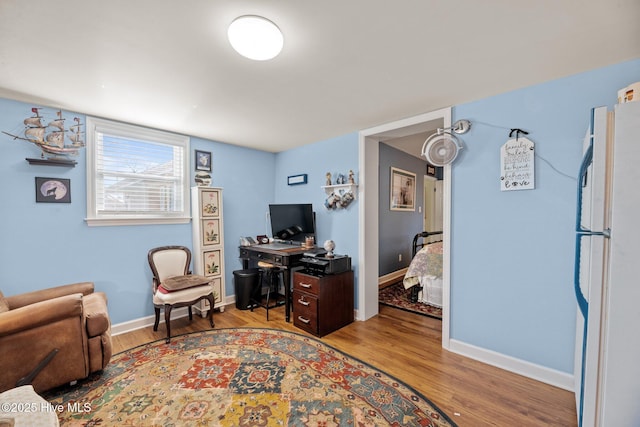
125	130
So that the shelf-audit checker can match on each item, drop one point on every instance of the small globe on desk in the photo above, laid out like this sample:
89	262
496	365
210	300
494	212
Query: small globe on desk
329	246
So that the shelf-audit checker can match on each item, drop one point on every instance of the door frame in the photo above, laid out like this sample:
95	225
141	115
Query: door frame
368	159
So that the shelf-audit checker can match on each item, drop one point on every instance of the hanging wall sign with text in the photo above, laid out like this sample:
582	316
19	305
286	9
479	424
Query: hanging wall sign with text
517	165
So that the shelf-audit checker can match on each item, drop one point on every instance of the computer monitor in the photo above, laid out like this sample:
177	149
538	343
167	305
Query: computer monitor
292	221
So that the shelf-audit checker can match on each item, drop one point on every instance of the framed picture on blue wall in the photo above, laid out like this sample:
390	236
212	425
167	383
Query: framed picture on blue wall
297	179
53	190
203	161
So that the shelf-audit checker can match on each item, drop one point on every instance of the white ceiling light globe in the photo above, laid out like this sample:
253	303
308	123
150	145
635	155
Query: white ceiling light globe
255	37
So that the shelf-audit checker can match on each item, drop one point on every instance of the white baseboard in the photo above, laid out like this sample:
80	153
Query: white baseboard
145	322
521	367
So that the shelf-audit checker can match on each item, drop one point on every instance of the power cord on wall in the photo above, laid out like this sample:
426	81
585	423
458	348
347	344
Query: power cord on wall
512	130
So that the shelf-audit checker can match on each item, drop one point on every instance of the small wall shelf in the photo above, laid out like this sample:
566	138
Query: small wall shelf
52	162
345	187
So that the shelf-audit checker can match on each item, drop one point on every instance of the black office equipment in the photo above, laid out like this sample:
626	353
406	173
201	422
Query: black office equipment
321	264
294	222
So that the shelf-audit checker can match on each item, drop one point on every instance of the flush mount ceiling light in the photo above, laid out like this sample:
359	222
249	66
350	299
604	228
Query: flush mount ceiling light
255	37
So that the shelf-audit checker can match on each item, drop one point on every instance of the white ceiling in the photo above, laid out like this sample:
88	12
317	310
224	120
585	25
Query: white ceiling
347	65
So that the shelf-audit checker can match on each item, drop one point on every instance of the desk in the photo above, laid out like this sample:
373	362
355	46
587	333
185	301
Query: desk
284	256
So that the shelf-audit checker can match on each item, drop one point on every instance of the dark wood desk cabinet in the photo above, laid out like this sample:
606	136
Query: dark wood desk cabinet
322	304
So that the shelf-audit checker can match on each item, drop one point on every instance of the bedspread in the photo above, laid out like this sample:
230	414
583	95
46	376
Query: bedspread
426	270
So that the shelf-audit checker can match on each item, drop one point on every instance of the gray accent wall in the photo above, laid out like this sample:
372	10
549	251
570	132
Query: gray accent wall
397	228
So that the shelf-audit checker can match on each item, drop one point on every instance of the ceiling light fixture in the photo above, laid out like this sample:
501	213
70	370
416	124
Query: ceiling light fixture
255	37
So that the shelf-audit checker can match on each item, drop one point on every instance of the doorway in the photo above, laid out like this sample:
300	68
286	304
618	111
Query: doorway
432	213
368	210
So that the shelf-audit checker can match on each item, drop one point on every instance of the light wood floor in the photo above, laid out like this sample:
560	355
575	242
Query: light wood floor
408	347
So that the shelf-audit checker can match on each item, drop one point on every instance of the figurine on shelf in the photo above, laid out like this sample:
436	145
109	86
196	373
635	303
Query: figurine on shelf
352	179
328	178
341	179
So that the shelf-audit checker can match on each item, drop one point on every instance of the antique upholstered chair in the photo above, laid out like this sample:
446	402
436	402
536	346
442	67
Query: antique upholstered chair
175	286
53	336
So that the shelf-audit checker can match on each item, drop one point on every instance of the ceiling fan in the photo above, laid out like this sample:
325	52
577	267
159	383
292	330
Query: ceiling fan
442	148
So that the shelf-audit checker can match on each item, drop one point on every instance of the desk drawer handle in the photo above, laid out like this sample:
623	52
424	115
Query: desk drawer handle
305	285
303	302
303	320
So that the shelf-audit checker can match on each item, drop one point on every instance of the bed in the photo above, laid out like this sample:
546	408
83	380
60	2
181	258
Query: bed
424	275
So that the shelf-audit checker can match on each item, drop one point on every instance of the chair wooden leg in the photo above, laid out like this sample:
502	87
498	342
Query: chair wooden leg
167	322
155	325
211	303
190	314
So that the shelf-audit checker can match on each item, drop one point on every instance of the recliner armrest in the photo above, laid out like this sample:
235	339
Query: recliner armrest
40	313
95	312
22	300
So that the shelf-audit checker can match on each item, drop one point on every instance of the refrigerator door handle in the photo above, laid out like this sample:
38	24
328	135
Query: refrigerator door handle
587	159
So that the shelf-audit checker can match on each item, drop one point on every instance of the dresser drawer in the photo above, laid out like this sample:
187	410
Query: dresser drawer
305	304
308	324
262	256
305	312
306	283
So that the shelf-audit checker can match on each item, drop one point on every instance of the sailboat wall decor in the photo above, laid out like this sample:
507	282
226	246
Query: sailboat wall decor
51	138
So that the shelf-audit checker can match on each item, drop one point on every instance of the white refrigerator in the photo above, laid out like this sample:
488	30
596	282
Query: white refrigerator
607	271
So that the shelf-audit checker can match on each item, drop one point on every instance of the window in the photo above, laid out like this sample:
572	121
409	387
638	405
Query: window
135	175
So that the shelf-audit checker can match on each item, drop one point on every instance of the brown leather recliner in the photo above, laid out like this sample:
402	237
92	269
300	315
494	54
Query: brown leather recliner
53	336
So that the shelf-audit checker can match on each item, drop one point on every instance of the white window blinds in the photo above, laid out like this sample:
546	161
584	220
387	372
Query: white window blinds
135	175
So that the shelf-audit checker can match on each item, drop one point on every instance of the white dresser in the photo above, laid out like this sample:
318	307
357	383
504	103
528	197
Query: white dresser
208	239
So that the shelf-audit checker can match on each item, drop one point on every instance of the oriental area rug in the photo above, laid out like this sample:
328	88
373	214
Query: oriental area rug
242	377
397	296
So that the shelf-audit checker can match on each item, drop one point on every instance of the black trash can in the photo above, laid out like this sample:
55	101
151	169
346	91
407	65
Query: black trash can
245	281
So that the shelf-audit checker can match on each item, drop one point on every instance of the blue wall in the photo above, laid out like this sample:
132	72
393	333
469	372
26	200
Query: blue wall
336	156
246	175
512	252
50	244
